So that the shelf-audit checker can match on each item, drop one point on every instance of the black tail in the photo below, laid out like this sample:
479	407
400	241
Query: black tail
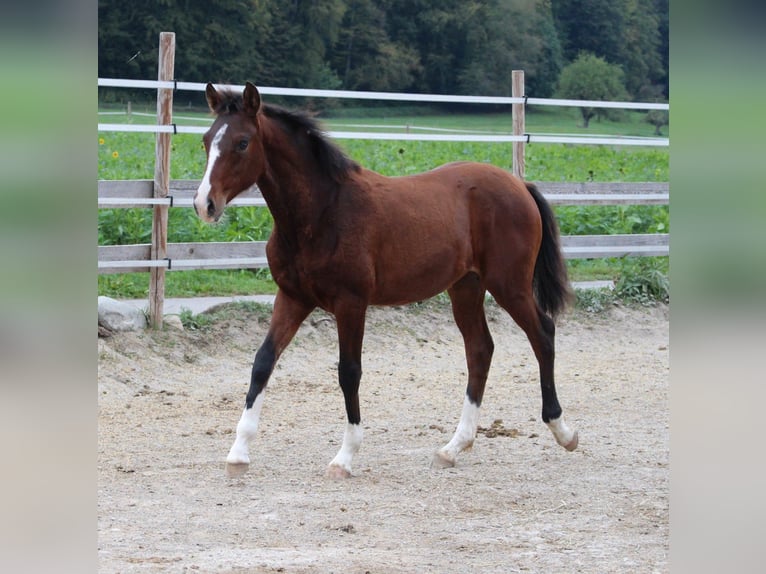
551	284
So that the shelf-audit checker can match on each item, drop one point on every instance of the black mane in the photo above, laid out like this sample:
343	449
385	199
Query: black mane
306	133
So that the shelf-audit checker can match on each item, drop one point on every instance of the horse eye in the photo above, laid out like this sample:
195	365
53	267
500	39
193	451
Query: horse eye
243	143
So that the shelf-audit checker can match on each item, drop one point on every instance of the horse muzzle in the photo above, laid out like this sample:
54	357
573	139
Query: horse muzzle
208	211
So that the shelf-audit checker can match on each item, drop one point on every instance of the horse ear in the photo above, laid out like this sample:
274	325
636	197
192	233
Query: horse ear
213	97
251	98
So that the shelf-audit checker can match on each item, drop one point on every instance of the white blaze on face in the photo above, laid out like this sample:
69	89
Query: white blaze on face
200	198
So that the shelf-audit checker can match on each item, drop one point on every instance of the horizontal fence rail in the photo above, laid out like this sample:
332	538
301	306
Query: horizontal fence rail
393	136
118	193
385	96
183	256
252	254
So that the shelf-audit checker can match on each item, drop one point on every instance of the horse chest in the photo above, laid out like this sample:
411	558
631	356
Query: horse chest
307	273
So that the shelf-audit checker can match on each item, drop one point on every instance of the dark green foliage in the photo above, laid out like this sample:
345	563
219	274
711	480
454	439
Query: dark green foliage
503	36
365	58
449	46
632	34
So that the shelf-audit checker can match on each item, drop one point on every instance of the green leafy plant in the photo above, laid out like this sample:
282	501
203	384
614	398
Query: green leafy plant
594	300
241	310
644	280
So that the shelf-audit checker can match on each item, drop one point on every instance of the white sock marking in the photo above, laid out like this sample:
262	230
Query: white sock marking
246	430
200	198
352	440
465	432
560	431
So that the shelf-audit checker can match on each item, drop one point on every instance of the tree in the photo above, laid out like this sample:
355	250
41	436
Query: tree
591	78
299	40
639	54
662	10
502	36
657	118
630	33
450	46
365	58
436	32
594	26
213	43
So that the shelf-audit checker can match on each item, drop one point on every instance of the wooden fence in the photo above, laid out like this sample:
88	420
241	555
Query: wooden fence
161	194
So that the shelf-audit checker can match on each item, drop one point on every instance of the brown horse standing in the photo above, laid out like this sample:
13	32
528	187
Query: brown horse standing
345	237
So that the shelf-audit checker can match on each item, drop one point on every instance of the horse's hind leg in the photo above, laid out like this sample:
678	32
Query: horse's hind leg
467	297
287	317
541	330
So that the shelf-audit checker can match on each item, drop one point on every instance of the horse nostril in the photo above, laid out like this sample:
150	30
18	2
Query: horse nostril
210	208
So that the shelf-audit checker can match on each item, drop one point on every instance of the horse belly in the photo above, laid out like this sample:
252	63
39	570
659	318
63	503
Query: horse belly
416	270
422	239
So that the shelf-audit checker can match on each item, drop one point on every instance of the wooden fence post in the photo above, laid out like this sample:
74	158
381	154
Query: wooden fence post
161	179
518	111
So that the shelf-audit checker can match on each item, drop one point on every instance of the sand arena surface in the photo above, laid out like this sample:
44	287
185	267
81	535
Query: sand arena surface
169	403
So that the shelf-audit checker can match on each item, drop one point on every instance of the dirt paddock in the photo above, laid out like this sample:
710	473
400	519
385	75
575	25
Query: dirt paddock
517	502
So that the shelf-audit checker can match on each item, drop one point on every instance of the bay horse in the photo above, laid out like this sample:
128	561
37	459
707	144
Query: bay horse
345	238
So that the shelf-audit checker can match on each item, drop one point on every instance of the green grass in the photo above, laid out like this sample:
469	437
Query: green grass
193	283
540	120
131	156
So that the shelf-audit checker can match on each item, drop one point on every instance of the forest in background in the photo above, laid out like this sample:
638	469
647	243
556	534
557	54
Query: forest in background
418	46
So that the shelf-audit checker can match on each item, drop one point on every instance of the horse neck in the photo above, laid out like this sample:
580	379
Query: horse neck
286	185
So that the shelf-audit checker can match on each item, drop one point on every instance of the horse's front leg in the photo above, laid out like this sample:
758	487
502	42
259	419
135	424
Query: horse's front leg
287	317
350	335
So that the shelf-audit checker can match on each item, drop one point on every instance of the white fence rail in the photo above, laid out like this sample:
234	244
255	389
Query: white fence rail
393	136
384	96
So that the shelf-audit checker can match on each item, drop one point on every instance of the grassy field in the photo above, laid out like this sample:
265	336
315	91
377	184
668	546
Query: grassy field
131	156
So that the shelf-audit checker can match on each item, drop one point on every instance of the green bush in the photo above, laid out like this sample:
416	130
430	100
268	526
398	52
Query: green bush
644	280
594	300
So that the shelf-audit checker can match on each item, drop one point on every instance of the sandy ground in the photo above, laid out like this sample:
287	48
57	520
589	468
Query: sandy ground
517	502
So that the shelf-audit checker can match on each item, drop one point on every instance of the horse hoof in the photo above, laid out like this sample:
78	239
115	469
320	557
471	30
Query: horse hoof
572	444
441	460
236	469
336	472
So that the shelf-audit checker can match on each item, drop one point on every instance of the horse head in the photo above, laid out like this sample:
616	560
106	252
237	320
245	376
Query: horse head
235	155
